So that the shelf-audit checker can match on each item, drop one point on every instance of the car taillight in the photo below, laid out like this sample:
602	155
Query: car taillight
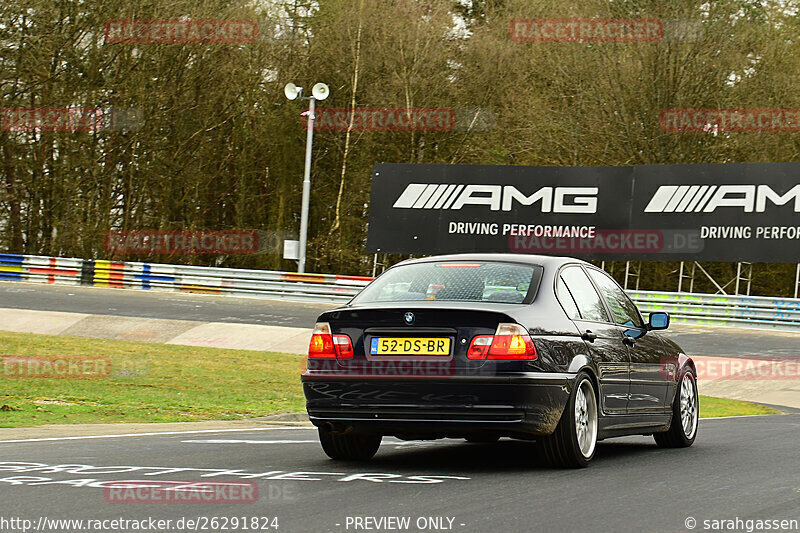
324	345
344	348
509	342
479	348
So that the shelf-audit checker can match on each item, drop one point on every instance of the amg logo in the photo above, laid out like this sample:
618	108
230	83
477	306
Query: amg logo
707	198
497	197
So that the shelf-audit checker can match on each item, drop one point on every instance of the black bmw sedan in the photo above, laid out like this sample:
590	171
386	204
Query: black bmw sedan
483	346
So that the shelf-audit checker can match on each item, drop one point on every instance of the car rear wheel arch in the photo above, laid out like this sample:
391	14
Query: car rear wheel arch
565	446
595	384
579	362
582	363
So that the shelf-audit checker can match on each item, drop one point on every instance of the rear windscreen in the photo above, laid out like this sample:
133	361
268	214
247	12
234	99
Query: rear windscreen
455	281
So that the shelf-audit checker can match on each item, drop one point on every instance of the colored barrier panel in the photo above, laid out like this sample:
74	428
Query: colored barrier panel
11	267
51	269
87	272
146	277
109	274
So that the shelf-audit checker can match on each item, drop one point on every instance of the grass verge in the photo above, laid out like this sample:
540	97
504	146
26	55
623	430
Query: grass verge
711	407
148	382
152	382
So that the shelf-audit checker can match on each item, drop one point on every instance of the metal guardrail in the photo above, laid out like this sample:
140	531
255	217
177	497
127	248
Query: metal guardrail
715	310
181	278
699	309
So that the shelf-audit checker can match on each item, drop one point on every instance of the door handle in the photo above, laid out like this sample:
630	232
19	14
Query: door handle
628	341
588	336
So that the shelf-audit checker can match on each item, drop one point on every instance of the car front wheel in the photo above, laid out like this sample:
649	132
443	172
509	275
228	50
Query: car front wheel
685	414
349	446
573	442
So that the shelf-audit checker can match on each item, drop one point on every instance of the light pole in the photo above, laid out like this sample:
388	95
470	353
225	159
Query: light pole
320	92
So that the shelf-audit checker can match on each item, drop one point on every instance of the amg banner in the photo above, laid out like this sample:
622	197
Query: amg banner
713	212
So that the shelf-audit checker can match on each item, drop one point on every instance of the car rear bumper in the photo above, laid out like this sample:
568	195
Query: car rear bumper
518	404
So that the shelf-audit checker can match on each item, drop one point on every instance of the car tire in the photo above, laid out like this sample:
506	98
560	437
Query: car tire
685	414
349	446
573	443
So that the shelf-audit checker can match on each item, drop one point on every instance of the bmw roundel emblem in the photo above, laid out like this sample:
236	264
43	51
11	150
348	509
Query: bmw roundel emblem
408	318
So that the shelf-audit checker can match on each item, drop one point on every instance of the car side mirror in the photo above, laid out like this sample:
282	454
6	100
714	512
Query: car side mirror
658	321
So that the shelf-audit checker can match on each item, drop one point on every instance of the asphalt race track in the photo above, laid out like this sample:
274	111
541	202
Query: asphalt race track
744	468
158	304
694	340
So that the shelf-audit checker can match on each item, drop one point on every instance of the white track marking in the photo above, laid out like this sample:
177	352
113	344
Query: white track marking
84	437
234	441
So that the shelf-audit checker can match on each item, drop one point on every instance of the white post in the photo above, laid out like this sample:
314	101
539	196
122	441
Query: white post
738	276
797	281
627	270
301	268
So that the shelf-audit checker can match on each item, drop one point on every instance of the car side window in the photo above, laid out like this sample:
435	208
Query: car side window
566	300
589	303
623	309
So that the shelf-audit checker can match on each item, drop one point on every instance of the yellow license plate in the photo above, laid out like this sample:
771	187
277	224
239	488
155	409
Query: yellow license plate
409	346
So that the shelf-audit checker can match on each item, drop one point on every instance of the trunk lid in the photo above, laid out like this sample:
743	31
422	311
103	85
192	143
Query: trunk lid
429	340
